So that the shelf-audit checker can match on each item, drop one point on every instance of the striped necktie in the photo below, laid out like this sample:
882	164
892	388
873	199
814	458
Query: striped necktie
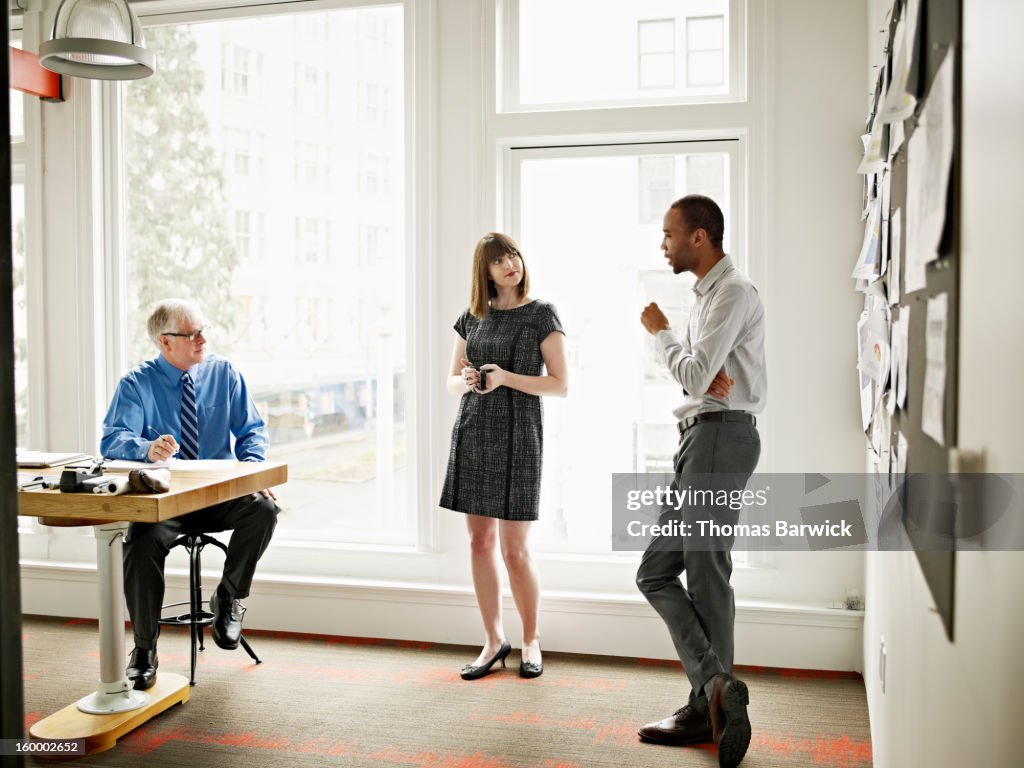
189	448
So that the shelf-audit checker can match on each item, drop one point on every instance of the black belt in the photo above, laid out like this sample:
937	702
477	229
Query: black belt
719	416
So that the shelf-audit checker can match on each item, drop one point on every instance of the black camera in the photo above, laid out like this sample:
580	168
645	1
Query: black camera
482	384
76	480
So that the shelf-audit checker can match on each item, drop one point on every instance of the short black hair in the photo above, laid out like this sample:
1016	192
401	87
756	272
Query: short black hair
700	212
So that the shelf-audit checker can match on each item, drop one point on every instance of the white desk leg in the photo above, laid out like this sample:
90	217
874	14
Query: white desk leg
115	693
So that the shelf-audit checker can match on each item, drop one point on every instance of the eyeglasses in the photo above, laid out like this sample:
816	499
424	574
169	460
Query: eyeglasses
191	335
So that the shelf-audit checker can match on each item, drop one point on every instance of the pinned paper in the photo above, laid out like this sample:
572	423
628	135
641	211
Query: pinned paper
929	156
895	238
933	401
869	262
899	104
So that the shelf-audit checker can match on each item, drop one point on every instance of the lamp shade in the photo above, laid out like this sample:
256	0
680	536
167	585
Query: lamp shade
97	39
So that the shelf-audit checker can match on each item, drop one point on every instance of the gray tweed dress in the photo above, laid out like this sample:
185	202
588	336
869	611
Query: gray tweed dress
497	442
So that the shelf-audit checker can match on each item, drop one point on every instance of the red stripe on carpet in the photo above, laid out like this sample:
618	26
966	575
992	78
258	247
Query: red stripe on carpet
149	737
833	751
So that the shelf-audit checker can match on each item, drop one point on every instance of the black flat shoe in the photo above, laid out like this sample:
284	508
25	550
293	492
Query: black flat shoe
529	669
141	669
469	672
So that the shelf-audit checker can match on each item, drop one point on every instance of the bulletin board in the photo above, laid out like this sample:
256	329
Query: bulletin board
922	430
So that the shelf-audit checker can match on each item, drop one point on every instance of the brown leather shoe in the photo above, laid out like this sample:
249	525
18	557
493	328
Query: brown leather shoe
684	726
729	722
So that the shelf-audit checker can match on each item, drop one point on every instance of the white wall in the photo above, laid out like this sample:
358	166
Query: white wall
812	197
806	83
955	703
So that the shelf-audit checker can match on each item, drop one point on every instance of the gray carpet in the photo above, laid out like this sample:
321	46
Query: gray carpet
323	701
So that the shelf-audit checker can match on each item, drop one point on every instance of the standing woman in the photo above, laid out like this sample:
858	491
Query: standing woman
505	342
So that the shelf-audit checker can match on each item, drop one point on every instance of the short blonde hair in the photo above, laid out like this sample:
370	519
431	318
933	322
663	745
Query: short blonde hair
169	314
491	246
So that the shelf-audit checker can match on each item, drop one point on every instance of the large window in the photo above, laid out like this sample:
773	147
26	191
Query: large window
558	54
21	409
600	271
253	185
21	405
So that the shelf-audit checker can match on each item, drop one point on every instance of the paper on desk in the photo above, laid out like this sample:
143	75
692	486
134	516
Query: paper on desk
200	465
124	465
933	401
45	459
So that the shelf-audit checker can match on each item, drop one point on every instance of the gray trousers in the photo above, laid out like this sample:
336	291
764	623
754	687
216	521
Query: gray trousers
251	520
701	616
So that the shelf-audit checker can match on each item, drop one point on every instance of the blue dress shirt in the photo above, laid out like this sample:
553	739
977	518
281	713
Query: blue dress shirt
147	404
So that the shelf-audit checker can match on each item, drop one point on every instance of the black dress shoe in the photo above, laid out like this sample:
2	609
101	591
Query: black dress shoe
470	672
227	620
684	726
530	669
141	669
729	721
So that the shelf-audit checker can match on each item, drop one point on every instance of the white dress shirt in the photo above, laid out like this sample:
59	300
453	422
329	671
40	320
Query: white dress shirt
726	330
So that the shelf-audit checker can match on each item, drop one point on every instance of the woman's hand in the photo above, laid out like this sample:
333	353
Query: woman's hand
470	375
496	377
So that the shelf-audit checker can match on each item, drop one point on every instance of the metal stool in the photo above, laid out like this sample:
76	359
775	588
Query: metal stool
197	617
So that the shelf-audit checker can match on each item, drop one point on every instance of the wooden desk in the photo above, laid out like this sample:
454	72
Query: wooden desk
105	715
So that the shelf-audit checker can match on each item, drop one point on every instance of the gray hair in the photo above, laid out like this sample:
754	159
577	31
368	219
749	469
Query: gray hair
169	314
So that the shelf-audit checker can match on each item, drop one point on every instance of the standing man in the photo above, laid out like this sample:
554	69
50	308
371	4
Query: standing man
187	404
720	365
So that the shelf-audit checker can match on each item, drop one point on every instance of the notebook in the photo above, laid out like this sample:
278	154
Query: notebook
44	459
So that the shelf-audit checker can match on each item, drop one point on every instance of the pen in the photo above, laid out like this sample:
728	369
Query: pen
157	437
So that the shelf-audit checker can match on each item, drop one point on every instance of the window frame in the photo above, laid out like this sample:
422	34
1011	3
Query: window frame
594	124
640	53
690	51
731	143
26	169
293	559
506	64
436	557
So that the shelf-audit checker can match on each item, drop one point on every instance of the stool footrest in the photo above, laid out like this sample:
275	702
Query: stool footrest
196	617
203	619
